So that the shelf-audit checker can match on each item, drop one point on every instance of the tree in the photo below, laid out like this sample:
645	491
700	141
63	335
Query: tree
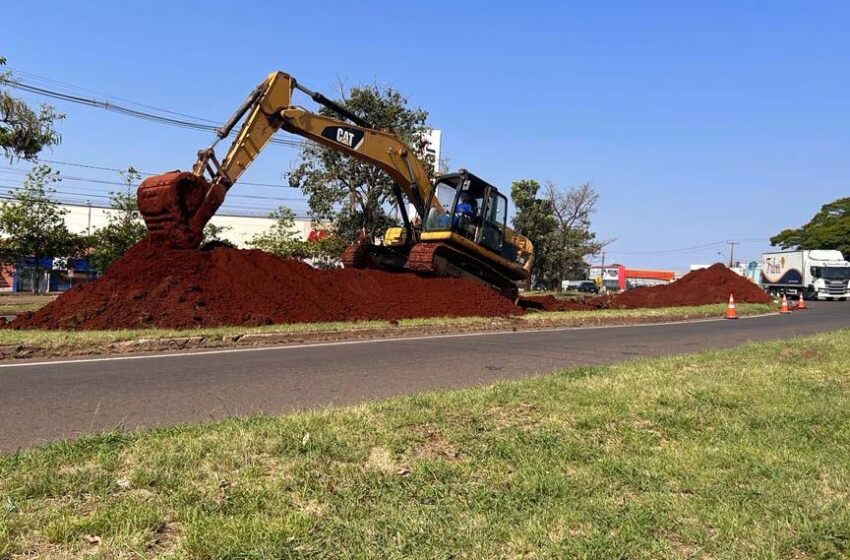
213	236
573	242
33	226
23	131
282	239
558	224
828	229
535	220
350	192
125	227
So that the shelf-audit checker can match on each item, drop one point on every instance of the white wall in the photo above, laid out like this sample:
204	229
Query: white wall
81	219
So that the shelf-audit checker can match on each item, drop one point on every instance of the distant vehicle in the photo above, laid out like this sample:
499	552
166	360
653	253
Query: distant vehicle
567	285
540	287
817	274
588	287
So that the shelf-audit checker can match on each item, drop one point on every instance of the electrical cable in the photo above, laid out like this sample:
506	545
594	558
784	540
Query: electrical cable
119	184
127	111
148	174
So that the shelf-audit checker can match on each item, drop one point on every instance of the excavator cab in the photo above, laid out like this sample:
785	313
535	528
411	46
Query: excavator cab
472	208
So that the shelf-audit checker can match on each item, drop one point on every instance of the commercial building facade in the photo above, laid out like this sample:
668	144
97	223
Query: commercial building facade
617	277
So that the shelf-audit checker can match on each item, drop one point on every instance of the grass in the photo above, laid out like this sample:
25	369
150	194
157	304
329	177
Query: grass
70	339
568	294
742	453
51	341
10	308
672	313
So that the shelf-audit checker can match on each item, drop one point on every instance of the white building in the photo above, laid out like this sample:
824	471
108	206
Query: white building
433	139
86	219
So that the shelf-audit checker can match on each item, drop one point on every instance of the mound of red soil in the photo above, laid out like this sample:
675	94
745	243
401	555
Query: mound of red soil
150	287
700	287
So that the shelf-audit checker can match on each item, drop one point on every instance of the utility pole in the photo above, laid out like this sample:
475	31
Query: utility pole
732	252
88	228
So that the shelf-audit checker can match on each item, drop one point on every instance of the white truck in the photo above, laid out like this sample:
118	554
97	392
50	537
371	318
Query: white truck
818	274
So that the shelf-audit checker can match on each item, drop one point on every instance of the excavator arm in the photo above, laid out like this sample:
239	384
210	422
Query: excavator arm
177	216
176	206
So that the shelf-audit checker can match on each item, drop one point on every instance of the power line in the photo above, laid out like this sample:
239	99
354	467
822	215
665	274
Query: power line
119	184
127	111
60	84
696	248
671	251
86	196
149	174
71	195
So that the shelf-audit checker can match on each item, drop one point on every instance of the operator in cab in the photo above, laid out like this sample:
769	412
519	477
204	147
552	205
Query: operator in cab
466	211
467	206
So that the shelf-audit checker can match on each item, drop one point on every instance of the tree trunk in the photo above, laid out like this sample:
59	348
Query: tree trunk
36	270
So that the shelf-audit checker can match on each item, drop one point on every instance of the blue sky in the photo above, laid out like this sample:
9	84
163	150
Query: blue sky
697	122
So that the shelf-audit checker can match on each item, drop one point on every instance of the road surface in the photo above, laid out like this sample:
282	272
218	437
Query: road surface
57	399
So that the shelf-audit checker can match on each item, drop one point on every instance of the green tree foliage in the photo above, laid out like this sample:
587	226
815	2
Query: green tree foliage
534	219
33	225
214	236
573	241
282	239
558	224
352	193
125	227
828	229
23	131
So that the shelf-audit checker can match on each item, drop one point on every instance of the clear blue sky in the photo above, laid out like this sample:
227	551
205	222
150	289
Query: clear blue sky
697	122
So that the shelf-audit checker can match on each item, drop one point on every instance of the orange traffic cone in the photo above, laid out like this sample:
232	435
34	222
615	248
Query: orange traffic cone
731	313
784	307
801	303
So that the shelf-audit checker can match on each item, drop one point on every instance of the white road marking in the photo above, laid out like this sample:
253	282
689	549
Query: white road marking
200	353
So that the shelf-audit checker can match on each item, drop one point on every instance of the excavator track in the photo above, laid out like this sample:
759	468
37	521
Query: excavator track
421	258
362	254
354	256
440	259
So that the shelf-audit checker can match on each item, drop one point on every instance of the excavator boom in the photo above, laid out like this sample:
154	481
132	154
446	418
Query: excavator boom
176	218
176	206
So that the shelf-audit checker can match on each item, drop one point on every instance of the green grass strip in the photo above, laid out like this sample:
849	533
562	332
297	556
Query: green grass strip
57	340
743	453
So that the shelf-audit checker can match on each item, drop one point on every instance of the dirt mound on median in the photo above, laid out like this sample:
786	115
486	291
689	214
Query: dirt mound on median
700	287
151	287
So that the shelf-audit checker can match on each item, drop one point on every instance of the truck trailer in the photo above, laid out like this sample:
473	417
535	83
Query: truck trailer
818	274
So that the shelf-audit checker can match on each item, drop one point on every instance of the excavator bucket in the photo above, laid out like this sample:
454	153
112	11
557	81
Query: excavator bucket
176	206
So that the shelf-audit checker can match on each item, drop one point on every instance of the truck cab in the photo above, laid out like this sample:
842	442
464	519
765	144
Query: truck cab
828	275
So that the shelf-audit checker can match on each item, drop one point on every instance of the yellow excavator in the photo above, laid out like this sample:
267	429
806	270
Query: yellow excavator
458	226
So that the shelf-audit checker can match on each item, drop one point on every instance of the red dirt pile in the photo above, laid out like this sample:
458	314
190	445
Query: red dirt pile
700	287
151	287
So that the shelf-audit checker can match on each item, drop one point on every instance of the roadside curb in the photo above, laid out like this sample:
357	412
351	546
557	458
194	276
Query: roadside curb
19	352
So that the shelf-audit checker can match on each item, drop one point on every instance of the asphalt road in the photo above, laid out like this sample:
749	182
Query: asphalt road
51	400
